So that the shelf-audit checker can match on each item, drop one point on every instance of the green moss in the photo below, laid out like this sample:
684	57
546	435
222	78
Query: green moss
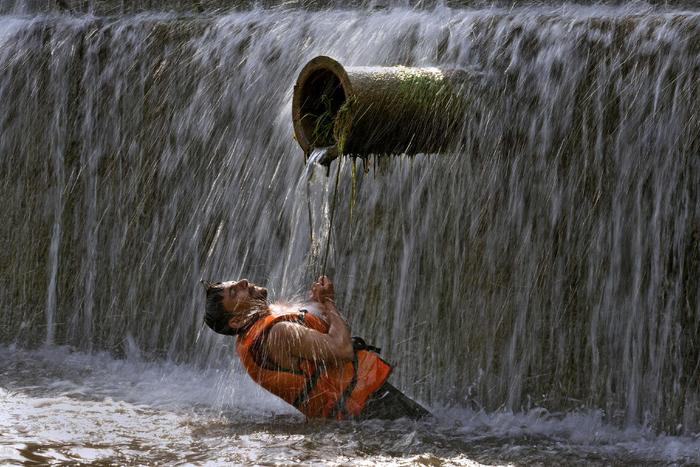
323	130
343	123
353	189
323	124
425	88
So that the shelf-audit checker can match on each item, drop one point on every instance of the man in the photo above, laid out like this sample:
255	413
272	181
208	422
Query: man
309	361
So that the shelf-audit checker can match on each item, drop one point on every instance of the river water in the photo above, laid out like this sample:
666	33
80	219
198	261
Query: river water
537	287
63	406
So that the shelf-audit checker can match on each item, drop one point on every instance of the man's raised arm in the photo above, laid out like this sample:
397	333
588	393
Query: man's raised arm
290	339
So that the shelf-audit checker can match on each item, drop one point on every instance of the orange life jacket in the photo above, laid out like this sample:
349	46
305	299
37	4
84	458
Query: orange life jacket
317	391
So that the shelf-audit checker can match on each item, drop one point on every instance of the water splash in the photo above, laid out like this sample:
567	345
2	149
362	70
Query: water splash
317	156
63	405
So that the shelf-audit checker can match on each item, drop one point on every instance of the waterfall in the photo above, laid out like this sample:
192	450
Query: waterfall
553	261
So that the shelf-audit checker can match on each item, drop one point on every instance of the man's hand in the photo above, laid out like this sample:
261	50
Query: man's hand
322	290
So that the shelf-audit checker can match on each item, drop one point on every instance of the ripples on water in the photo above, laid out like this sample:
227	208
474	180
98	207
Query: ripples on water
58	405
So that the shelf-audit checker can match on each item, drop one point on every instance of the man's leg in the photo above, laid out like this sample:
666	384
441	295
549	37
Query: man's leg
389	403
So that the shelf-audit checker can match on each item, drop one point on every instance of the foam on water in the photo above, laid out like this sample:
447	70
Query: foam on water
57	403
158	384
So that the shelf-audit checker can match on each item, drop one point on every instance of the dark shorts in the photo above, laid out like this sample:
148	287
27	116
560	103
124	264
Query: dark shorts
389	403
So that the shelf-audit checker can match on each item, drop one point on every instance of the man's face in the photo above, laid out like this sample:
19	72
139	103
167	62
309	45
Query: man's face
240	298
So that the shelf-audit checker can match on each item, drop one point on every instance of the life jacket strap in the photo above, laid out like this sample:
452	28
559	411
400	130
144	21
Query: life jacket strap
309	385
340	403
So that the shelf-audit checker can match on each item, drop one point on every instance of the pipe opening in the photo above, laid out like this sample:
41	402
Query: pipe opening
322	95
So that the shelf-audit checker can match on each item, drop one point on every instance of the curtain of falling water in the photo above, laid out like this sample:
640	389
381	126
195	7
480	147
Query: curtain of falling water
552	262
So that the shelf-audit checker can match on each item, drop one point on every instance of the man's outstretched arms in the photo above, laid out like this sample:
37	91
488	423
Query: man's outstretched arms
289	342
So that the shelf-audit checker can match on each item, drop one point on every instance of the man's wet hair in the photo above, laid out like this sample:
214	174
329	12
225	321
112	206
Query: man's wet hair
216	316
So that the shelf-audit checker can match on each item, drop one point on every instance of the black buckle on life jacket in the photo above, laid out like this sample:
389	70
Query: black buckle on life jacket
359	343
